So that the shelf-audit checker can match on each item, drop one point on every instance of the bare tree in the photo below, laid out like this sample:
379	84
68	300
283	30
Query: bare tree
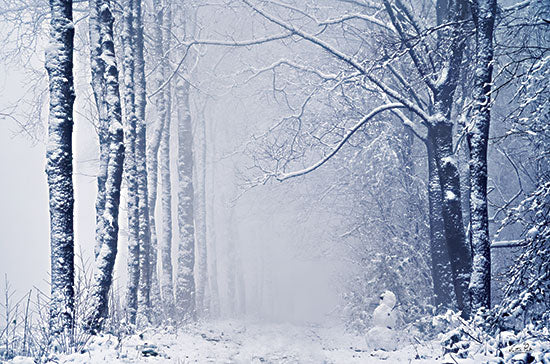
106	89
59	167
435	67
144	234
484	13
185	281
128	44
163	104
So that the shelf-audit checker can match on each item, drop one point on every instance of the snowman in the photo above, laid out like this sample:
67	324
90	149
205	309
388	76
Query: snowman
382	336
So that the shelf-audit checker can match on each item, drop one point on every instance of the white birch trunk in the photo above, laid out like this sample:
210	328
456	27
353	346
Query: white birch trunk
164	111
185	281
152	177
214	295
202	303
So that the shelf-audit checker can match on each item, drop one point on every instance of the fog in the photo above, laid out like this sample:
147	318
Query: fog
376	169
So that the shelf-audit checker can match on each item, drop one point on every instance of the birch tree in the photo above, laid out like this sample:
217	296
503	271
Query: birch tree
185	281
128	44
59	167
106	90
199	164
98	88
144	233
152	178
163	104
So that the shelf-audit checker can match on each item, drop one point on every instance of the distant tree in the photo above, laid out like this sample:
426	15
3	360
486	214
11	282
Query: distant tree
185	281
144	233
199	142
163	35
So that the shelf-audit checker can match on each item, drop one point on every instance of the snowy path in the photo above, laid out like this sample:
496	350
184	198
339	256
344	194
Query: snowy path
240	343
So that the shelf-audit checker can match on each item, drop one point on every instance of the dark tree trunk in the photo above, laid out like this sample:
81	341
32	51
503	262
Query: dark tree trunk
441	269
455	236
451	41
144	234
128	43
110	102
483	12
59	168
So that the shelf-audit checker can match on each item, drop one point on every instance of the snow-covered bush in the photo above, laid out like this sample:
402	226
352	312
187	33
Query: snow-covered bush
527	295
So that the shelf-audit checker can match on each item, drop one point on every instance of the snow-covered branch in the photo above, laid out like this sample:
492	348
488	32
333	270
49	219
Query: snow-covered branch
363	121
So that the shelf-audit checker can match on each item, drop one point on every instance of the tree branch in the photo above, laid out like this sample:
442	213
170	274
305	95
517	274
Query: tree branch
366	118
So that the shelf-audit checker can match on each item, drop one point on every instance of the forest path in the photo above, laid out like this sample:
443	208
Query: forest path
234	342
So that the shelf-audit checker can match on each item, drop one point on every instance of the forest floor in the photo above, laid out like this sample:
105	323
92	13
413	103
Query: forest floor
246	343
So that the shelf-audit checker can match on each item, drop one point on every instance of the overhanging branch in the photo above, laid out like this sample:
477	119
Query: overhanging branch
363	121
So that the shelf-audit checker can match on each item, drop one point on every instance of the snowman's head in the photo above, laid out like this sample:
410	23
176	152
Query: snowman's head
388	298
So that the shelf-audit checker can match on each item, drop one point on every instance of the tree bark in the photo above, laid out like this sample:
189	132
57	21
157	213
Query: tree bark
128	43
214	294
107	81
98	88
202	303
59	167
185	281
483	12
451	40
152	177
144	233
164	112
441	269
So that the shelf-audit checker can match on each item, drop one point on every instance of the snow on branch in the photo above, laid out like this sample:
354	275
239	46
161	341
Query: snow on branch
508	244
364	17
363	121
342	57
213	42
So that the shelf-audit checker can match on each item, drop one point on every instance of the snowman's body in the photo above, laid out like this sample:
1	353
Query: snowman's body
383	335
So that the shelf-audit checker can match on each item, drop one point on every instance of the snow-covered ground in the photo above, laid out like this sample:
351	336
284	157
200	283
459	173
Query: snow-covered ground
239	342
246	343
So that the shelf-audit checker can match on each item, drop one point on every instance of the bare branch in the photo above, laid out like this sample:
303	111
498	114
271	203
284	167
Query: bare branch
366	118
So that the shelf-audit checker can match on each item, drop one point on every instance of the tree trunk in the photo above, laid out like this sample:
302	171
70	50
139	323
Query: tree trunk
451	41
164	113
59	167
211	237
144	234
110	102
185	281
449	181
483	12
98	88
200	221
128	36
441	269
152	176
